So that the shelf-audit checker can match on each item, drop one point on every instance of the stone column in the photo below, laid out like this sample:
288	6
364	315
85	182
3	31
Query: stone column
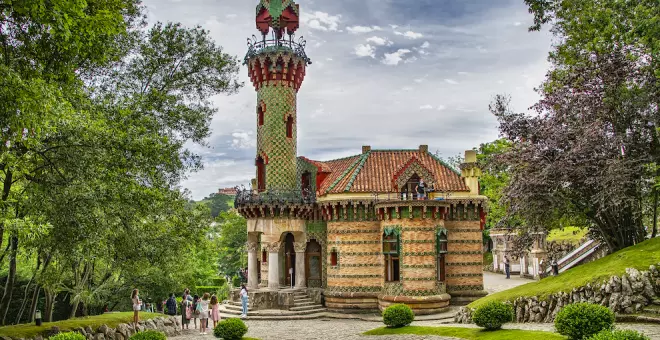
274	266
300	264
253	265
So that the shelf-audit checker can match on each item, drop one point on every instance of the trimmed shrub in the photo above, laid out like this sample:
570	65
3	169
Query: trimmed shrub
493	315
398	315
68	336
230	329
236	282
582	320
148	335
619	335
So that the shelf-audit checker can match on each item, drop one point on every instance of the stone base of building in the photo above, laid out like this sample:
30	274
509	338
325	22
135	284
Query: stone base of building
421	305
267	299
462	298
351	302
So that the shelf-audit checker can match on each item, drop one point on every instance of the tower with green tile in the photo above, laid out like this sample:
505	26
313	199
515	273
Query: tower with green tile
276	65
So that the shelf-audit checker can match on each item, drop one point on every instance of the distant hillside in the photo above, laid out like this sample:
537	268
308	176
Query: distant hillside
218	203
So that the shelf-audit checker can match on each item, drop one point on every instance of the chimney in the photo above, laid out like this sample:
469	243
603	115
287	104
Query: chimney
423	148
365	149
470	156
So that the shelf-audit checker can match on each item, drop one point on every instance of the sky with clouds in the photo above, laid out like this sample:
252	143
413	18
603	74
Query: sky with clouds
392	74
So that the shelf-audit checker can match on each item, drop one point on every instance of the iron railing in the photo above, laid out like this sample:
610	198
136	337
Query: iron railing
245	196
256	46
408	196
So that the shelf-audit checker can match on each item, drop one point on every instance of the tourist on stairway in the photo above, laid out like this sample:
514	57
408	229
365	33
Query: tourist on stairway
244	301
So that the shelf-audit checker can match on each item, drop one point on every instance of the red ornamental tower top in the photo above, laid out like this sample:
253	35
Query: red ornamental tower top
276	59
280	15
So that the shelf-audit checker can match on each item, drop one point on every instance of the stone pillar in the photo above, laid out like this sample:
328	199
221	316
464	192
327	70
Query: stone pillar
253	265
274	266
300	264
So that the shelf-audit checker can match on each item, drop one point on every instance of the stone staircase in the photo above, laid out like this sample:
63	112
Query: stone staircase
577	256
650	314
303	307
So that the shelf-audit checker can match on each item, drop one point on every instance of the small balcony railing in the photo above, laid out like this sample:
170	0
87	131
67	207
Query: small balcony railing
274	196
256	46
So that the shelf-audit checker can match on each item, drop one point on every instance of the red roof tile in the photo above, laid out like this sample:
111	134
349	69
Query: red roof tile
375	171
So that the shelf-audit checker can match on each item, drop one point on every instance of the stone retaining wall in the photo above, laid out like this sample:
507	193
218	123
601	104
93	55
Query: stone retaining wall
625	294
170	325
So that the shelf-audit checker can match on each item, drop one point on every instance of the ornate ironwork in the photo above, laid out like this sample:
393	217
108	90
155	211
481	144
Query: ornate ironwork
390	196
257	46
245	196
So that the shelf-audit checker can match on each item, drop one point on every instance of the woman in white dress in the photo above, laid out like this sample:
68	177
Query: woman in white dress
137	305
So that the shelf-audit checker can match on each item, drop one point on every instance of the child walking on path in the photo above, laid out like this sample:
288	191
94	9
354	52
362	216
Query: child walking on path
204	314
215	310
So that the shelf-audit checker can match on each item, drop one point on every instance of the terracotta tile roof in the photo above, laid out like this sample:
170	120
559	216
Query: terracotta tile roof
227	191
376	170
323	167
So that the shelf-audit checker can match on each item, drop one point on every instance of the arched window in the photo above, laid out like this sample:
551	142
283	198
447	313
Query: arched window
261	174
391	255
289	127
441	248
260	115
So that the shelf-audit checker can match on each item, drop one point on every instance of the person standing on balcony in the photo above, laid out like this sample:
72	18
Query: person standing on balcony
421	190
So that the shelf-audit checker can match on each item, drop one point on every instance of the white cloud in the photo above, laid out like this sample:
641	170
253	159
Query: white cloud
410	60
410	34
426	107
231	16
395	57
328	59
441	107
517	23
243	140
426	44
419	80
362	29
451	81
320	21
394	26
380	41
463	73
365	50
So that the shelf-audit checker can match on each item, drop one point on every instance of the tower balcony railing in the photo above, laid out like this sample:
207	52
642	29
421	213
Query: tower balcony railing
257	46
245	196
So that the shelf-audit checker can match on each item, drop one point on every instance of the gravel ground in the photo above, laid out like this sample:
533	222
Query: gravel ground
352	329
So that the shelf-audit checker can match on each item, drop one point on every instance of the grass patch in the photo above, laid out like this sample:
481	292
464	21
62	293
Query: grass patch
568	234
110	319
468	333
488	258
639	256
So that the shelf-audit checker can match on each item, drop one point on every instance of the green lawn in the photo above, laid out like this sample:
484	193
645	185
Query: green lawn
110	319
640	256
569	234
468	333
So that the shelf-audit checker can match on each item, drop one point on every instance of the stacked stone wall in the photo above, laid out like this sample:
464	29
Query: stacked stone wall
464	256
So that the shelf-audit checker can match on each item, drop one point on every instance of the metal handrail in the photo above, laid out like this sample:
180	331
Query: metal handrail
256	45
246	196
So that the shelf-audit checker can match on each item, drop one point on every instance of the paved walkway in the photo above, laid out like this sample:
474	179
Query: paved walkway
352	330
494	282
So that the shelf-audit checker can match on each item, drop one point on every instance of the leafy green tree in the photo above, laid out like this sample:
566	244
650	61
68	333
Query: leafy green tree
231	242
217	203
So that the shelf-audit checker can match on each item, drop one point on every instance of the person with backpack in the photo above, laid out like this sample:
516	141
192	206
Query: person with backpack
186	312
195	310
170	304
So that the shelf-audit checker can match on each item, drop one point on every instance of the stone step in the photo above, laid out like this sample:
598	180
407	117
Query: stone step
274	312
306	303
302	300
638	318
652	309
236	308
306	308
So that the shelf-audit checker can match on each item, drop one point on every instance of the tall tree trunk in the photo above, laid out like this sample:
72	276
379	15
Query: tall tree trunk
35	302
11	278
27	289
6	189
654	232
50	305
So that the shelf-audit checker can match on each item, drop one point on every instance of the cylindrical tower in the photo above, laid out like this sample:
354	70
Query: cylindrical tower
276	68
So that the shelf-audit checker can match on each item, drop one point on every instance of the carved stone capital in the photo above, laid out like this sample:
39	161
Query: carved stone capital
251	246
299	247
273	247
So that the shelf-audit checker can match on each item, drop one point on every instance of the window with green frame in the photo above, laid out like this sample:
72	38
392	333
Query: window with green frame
391	247
441	250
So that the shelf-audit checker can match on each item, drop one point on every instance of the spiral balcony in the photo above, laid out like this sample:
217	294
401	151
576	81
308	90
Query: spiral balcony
258	46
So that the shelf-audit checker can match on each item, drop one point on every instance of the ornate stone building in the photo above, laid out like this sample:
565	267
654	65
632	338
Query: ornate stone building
352	230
